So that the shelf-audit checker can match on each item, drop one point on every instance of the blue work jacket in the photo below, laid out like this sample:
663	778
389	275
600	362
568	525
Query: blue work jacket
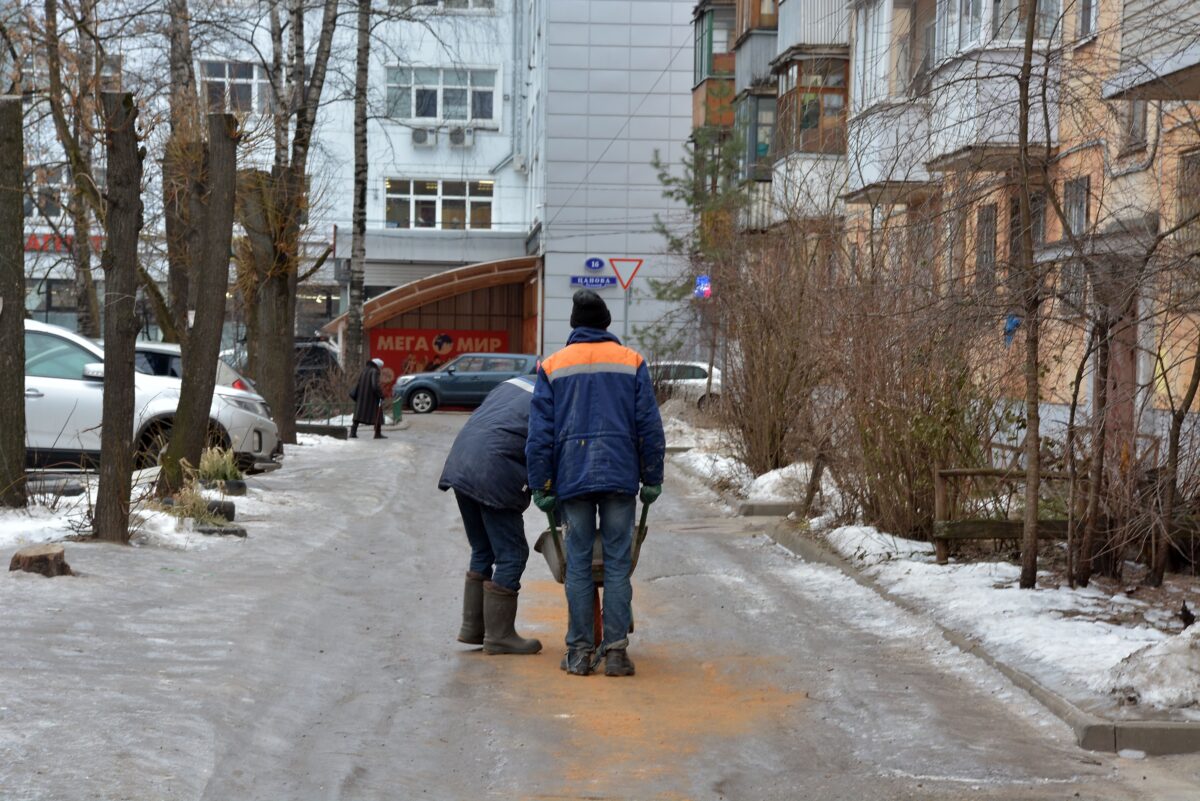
594	425
487	461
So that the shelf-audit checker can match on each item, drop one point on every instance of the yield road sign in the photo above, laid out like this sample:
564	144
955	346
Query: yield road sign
631	266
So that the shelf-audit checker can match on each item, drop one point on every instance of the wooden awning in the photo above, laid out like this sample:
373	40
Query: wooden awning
437	287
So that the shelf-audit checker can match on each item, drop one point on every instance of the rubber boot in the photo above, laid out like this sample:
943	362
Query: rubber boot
472	621
499	617
354	431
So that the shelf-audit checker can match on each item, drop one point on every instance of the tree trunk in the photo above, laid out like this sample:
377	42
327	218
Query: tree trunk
12	296
358	251
87	302
190	430
276	374
181	164
1032	323
1085	565
1170	481
119	261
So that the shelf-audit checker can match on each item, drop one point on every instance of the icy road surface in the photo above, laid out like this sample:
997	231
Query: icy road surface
316	660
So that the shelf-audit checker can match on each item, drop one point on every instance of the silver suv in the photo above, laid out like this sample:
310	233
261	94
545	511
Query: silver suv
64	391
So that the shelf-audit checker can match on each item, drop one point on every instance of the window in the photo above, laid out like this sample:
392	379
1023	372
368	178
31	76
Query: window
1132	116
441	95
873	32
1087	18
238	87
110	73
1037	218
48	356
970	25
1189	202
48	191
450	4
1072	284
755	118
812	106
713	43
446	205
985	248
1076	205
467	364
507	365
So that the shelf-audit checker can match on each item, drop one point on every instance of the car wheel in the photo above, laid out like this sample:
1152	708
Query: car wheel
422	401
708	402
152	446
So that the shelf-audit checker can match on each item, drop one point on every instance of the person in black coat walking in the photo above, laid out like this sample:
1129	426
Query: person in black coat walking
368	397
486	470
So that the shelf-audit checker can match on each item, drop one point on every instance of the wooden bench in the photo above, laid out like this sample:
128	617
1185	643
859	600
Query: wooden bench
944	531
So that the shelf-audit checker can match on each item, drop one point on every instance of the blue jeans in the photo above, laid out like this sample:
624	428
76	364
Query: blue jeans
616	538
497	538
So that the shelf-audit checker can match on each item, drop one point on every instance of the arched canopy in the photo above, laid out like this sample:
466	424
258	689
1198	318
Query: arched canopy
431	289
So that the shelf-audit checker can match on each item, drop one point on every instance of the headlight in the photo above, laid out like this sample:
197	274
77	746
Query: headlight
245	404
404	379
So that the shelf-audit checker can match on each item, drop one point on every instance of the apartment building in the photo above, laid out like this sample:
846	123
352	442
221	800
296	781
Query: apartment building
923	161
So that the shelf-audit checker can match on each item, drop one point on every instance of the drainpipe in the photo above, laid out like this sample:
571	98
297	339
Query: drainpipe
517	116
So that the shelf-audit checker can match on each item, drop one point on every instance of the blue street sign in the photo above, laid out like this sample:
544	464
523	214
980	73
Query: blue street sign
594	264
593	280
703	289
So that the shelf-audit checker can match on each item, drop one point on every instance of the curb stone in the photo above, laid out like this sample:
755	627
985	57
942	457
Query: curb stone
1092	732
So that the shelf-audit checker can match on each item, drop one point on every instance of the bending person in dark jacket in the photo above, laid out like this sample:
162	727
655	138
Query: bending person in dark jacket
594	435
486	470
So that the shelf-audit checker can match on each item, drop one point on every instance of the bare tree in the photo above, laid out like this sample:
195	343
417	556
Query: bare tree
358	255
191	428
119	261
12	306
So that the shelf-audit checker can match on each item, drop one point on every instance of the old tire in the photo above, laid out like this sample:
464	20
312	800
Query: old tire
422	401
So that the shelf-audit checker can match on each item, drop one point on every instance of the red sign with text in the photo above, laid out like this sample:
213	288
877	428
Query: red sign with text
419	350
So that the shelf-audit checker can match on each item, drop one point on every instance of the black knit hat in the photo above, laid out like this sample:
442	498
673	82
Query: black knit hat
588	311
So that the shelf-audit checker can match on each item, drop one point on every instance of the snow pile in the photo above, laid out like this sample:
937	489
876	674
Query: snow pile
682	434
157	529
716	469
1059	635
869	546
1164	675
785	484
34	525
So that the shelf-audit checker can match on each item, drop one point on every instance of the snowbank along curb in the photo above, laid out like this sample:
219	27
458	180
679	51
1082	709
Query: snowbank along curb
1092	732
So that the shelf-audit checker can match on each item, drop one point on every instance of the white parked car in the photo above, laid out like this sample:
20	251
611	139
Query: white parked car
687	380
64	391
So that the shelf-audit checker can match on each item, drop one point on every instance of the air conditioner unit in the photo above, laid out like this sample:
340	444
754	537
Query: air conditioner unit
424	137
462	137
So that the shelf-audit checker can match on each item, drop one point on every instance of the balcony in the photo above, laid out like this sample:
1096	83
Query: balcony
712	103
974	110
808	186
888	148
1160	52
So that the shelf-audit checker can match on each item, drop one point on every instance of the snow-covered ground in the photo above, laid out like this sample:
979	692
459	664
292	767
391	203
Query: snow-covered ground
1072	640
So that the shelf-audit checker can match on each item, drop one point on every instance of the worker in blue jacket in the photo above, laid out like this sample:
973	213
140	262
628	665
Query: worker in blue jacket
486	470
595	436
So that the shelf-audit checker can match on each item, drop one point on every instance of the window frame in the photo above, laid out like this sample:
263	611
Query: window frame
474	197
1074	190
394	88
985	248
259	84
64	344
1087	20
1132	115
1188	201
795	95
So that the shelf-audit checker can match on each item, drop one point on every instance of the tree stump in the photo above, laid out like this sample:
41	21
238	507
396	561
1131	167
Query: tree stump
48	560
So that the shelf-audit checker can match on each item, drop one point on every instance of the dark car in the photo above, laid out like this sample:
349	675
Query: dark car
466	381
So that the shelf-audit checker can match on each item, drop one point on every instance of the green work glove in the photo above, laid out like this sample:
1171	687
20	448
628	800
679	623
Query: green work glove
544	500
650	493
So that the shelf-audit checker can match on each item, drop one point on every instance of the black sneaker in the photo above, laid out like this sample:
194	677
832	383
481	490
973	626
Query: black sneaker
580	661
617	663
